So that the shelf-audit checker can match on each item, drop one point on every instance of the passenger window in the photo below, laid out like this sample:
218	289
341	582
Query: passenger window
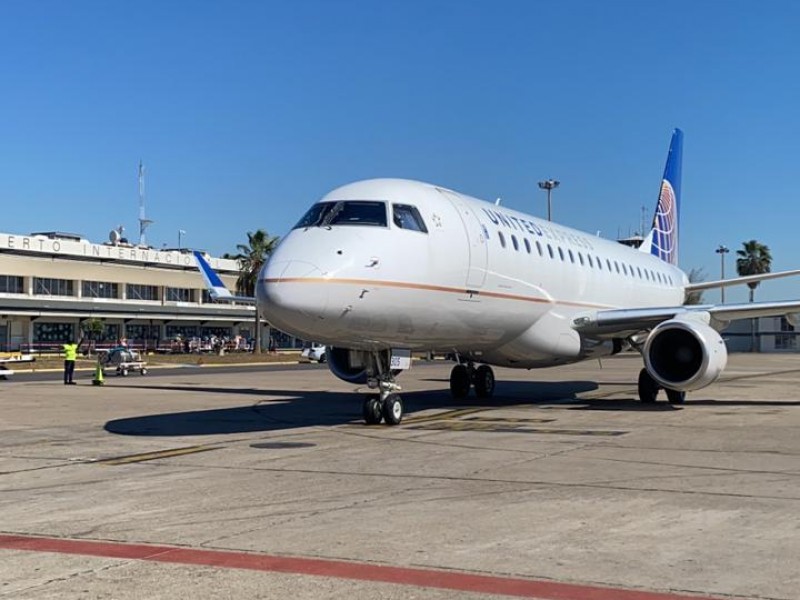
616	265
571	256
580	258
539	249
514	241
502	239
608	262
550	250
639	270
591	262
406	216
624	270
527	245
561	252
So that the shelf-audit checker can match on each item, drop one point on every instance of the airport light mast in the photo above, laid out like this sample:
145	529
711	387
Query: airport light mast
722	251
143	221
549	185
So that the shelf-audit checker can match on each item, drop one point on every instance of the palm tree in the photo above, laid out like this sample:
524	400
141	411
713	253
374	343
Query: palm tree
251	257
754	259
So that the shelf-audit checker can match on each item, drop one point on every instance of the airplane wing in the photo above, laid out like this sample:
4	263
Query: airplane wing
710	285
629	321
214	284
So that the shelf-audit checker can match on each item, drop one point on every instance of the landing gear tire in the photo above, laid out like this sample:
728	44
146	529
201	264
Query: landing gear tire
373	413
392	409
459	382
675	397
648	388
484	381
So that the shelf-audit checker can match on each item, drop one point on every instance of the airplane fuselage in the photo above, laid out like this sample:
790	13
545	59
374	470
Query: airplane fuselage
484	280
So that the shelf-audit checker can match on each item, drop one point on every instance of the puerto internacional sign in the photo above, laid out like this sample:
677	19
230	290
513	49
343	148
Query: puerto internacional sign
35	244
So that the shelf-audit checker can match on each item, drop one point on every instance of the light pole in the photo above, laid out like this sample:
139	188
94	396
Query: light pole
181	233
722	251
549	185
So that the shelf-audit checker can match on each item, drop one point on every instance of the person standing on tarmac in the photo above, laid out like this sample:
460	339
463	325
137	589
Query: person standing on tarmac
70	356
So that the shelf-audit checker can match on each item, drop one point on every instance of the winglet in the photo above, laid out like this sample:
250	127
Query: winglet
214	284
662	241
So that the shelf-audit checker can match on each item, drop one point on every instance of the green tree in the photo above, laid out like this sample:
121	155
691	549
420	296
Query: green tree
92	329
754	259
692	298
251	257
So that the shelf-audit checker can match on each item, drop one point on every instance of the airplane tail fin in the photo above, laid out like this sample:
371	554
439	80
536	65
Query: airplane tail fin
662	240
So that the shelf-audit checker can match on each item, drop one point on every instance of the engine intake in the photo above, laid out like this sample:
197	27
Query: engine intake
684	355
348	365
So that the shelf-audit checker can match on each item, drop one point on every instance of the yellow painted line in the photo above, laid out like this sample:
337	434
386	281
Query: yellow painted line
509	420
159	454
510	428
449	414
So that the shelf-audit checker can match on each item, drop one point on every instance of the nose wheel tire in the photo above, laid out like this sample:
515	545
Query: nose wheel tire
373	410
459	382
648	388
484	381
392	409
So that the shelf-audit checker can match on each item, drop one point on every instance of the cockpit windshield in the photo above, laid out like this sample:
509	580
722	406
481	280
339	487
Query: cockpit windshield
345	212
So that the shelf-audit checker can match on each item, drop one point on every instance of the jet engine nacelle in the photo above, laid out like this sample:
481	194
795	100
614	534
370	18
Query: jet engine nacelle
684	355
348	365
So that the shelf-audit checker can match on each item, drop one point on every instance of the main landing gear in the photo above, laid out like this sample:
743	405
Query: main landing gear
649	388
386	405
464	376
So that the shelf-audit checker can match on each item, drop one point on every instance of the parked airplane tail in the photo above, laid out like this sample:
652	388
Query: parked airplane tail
662	241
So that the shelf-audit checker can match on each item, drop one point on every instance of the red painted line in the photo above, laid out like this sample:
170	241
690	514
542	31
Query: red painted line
449	580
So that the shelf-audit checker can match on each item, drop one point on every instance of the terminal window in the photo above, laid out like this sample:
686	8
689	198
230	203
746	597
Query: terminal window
787	339
178	294
11	284
142	292
100	289
46	286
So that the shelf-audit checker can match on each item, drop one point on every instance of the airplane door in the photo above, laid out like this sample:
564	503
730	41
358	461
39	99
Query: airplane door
478	244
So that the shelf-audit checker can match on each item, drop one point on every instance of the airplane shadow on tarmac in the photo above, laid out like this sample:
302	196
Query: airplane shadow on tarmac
292	410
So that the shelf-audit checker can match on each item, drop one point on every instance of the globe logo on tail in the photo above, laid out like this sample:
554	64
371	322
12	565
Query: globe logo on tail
665	226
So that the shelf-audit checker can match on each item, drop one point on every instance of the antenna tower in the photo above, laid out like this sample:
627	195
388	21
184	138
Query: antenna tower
143	221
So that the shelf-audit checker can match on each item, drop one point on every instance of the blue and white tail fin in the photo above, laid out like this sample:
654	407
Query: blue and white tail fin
662	240
214	284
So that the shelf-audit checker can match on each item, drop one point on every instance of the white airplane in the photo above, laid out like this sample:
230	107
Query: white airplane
379	268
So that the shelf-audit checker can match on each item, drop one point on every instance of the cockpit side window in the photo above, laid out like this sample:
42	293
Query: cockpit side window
345	212
406	216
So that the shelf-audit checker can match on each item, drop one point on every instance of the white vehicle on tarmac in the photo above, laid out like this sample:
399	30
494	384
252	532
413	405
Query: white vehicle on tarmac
314	352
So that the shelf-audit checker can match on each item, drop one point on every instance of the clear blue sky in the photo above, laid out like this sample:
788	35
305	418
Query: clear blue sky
246	112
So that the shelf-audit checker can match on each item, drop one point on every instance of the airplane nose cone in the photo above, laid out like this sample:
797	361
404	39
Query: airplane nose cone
291	294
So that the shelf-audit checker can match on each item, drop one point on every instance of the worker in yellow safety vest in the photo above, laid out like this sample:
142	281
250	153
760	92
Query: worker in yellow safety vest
70	356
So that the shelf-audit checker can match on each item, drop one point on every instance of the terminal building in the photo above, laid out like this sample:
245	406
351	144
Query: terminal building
51	282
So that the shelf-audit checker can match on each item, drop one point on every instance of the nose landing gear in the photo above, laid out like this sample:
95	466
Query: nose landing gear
386	405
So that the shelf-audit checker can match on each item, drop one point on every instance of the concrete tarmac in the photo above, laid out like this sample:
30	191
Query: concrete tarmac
266	484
